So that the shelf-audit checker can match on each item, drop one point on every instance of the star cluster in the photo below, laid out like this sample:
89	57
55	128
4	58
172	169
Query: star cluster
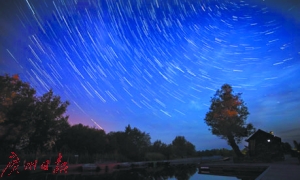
155	64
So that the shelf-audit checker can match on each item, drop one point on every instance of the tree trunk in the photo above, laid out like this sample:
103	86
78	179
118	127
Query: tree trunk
234	146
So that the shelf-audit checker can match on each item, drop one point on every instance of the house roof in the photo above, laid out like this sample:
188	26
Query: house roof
260	133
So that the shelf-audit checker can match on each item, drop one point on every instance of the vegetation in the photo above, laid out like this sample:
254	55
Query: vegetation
227	117
80	139
297	145
286	147
296	151
36	127
132	143
159	149
182	147
29	122
216	152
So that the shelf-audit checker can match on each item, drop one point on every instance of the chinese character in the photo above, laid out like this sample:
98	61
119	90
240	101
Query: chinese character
60	166
28	165
14	164
45	165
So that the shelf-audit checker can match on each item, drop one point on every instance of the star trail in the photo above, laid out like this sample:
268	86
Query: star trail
155	64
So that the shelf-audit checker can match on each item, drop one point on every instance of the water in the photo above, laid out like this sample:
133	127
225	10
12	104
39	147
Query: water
171	173
197	176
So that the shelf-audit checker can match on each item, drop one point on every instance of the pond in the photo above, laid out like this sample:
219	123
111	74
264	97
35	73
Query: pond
168	173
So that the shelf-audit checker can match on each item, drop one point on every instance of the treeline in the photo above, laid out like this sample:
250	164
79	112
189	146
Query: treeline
36	125
216	152
128	145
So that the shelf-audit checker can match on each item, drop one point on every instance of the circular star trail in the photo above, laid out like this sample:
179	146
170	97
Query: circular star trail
155	64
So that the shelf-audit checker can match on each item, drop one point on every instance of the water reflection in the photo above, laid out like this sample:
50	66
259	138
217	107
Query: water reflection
180	172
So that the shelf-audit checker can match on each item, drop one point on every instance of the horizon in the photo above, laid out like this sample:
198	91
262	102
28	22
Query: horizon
155	65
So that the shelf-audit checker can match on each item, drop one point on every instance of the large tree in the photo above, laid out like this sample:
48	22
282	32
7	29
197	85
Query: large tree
138	143
227	117
82	139
162	148
27	121
132	143
49	121
17	101
182	147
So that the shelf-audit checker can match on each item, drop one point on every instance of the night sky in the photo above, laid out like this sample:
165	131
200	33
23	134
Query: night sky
155	64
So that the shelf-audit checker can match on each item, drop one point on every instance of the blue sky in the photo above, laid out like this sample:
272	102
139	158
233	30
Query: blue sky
155	64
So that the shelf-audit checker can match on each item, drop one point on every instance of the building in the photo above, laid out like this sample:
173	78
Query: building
265	145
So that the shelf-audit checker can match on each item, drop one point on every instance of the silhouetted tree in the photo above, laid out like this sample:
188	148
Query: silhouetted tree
17	101
49	121
162	148
190	149
297	152
227	117
286	147
297	145
182	147
27	121
132	143
158	146
116	143
137	144
82	139
179	147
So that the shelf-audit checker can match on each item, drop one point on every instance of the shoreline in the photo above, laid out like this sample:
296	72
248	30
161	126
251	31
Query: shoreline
224	167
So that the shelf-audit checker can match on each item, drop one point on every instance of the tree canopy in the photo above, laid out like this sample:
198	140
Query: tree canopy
182	147
29	122
17	101
38	124
82	139
132	143
227	117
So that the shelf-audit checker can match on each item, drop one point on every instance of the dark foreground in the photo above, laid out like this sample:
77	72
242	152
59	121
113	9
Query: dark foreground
179	169
288	169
